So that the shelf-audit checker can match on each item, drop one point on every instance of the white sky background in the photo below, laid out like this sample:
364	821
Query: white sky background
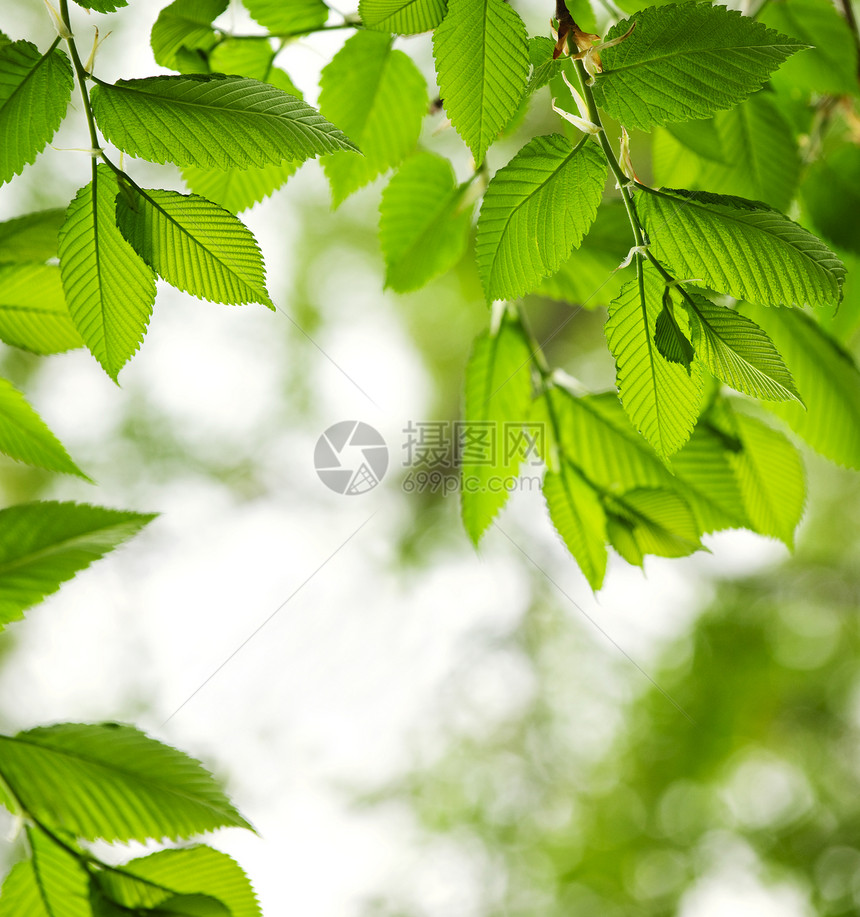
341	686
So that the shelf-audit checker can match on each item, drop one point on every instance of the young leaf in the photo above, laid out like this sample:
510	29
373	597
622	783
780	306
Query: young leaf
61	878
34	94
761	160
25	438
578	517
651	521
44	544
684	62
379	97
109	781
482	65
738	352
536	209
544	65
32	237
109	290
212	121
498	399
288	18
194	245
405	17
662	399
769	472
422	230
830	66
672	343
184	26
589	277
740	247
828	379
831	195
33	311
20	895
150	881
102	6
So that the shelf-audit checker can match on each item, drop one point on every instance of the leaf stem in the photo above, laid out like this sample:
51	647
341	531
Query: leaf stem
81	74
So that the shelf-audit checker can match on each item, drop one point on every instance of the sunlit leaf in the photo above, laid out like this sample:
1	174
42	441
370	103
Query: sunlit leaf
285	17
32	237
33	310
183	26
406	17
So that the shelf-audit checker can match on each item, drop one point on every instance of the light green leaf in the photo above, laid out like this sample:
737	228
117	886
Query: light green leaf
589	277
770	475
662	399
740	247
288	18
44	544
651	521
536	209
830	66
705	478
422	230
34	94
32	237
25	438
33	310
578	517
211	121
761	160
254	58
738	352
827	378
194	245
184	26
62	880
20	895
482	66
831	195
544	65
102	6
405	17
109	290
379	97
498	399
151	880
111	781
238	189
684	62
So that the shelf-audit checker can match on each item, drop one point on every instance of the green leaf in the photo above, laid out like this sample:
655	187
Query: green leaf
826	376
544	65
498	399
661	398
831	195
33	310
740	247
672	343
482	66
109	290
34	94
194	245
578	517
701	137
254	58
770	475
291	17
422	229
183	26
111	781
831	64
536	209
684	62
52	883
738	352
149	881
44	544
32	237
102	6
379	97
651	521
211	121
589	277
25	438
405	17
761	160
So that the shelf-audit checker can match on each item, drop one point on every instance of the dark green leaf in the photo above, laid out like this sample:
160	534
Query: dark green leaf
831	195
